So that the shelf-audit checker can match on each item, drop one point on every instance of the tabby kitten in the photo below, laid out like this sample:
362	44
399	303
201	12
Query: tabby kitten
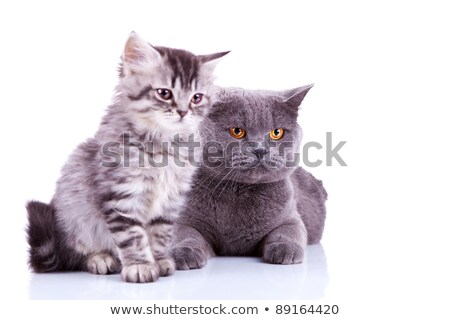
115	203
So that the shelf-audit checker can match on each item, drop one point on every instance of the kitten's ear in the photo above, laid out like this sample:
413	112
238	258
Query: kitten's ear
137	51
209	61
210	57
294	97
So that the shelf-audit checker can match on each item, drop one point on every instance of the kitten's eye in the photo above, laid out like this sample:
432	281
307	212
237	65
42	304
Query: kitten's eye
276	134
165	94
237	133
197	98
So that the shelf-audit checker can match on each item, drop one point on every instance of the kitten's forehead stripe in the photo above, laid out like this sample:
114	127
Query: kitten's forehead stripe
184	65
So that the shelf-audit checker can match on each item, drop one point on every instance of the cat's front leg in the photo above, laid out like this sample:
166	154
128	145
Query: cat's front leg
130	237
160	235
190	250
285	244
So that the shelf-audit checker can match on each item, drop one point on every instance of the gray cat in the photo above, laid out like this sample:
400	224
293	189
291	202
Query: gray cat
248	198
114	206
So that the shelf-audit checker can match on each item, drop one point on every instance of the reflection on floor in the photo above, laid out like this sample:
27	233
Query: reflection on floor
222	278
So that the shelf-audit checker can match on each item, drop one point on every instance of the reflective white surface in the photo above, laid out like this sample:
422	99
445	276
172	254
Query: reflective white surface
221	278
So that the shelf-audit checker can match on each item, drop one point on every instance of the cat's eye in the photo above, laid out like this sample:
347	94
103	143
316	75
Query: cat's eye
276	134
165	94
237	133
197	98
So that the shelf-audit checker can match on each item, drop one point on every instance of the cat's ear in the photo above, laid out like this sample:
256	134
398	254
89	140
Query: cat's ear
209	61
211	57
294	97
138	52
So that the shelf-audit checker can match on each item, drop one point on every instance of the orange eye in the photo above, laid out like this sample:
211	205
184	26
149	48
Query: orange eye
237	133
276	134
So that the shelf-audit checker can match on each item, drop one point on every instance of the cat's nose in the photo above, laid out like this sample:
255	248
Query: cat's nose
260	152
182	113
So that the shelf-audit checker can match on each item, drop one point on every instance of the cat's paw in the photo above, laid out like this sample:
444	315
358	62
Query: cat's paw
283	253
140	273
187	258
102	263
166	267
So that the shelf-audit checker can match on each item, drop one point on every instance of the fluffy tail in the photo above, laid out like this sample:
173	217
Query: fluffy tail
41	237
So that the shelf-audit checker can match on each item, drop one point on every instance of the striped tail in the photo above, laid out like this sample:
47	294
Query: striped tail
41	237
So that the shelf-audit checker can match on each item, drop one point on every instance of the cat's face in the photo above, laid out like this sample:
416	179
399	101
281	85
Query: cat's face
166	88
256	133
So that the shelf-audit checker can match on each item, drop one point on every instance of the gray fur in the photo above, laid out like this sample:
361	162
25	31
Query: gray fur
113	217
267	209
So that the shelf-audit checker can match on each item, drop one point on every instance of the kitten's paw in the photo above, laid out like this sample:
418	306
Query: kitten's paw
166	267
102	263
188	258
140	273
283	253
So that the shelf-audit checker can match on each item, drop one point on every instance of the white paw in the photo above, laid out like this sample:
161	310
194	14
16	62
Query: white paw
140	273
166	267
102	263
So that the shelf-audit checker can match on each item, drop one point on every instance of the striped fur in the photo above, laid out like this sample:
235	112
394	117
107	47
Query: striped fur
107	216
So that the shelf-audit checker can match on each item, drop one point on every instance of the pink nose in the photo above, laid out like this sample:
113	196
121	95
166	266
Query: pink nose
182	113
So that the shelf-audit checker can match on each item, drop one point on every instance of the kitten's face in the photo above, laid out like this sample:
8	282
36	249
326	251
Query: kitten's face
257	132
166	88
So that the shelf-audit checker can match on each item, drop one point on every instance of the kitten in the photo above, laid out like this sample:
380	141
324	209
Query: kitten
113	209
247	199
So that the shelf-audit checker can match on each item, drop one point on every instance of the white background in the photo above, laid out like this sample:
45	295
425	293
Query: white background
381	72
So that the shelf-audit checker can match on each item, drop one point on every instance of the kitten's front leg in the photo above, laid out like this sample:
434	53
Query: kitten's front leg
160	235
285	244
190	250
130	237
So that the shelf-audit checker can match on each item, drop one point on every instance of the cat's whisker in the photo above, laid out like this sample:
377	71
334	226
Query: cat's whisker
218	184
211	178
230	179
